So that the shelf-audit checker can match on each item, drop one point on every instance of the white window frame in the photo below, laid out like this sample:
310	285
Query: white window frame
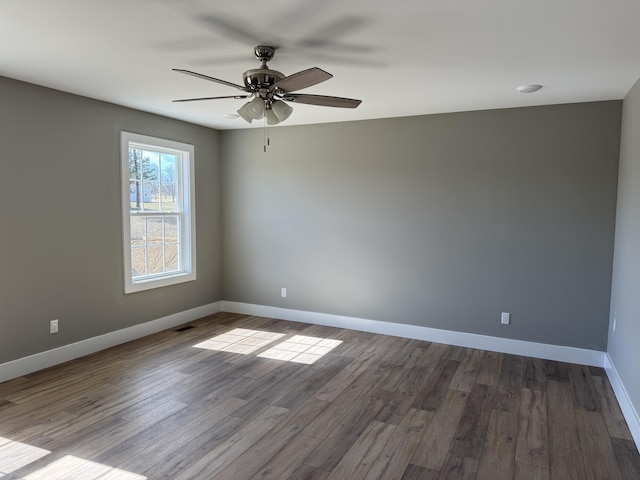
186	211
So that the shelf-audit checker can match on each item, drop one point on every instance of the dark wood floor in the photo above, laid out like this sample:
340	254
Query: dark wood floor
368	407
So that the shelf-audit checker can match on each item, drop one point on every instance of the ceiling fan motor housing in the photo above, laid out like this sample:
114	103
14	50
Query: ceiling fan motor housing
260	78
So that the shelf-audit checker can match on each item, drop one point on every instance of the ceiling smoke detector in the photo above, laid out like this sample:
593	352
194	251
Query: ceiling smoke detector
528	88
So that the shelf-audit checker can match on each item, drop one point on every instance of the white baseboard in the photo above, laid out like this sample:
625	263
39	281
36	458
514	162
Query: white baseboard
628	410
33	363
62	354
483	342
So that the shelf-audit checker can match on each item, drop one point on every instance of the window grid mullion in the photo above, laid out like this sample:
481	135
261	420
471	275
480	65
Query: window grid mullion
146	248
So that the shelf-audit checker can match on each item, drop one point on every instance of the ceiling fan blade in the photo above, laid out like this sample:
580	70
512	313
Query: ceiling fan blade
210	98
300	80
235	30
207	77
328	35
322	100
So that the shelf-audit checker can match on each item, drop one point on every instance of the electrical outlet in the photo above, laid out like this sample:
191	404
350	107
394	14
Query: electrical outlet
505	319
283	292
53	326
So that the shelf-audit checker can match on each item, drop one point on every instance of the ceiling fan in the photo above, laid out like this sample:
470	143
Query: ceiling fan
269	88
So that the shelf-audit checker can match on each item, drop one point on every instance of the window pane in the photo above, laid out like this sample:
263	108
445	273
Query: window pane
151	195
143	172
155	234
171	262
169	181
135	164
169	197
138	264
135	194
171	229
138	235
155	260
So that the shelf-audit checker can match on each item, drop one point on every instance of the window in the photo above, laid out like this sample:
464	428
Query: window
158	218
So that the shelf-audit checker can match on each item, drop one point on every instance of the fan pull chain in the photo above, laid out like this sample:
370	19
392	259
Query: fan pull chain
265	134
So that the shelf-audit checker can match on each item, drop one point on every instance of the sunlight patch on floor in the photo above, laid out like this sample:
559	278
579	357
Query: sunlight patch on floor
240	340
301	349
70	467
16	455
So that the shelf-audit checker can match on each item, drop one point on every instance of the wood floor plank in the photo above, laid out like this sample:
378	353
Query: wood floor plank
283	463
217	459
582	388
490	368
260	455
339	408
598	454
404	396
498	457
345	378
510	383
358	460
167	436
565	464
438	437
628	458
331	450
534	374
532	442
432	355
613	416
436	385
55	421
167	458
312	384
467	372
413	472
472	428
459	468
96	444
305	472
394	458
454	352
562	427
530	472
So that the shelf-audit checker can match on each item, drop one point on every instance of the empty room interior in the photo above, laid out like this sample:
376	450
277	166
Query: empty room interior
408	248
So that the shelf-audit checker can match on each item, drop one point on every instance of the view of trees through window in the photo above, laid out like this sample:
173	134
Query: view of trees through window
153	194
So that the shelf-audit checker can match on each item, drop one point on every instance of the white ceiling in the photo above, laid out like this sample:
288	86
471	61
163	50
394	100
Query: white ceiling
402	57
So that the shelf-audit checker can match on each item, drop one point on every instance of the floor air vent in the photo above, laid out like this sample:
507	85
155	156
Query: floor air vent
182	329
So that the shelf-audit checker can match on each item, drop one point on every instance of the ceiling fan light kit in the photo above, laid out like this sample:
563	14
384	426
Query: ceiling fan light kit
255	108
268	88
243	111
282	110
271	117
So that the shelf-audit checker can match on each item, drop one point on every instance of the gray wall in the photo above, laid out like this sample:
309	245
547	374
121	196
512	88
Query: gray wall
624	343
441	221
61	246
